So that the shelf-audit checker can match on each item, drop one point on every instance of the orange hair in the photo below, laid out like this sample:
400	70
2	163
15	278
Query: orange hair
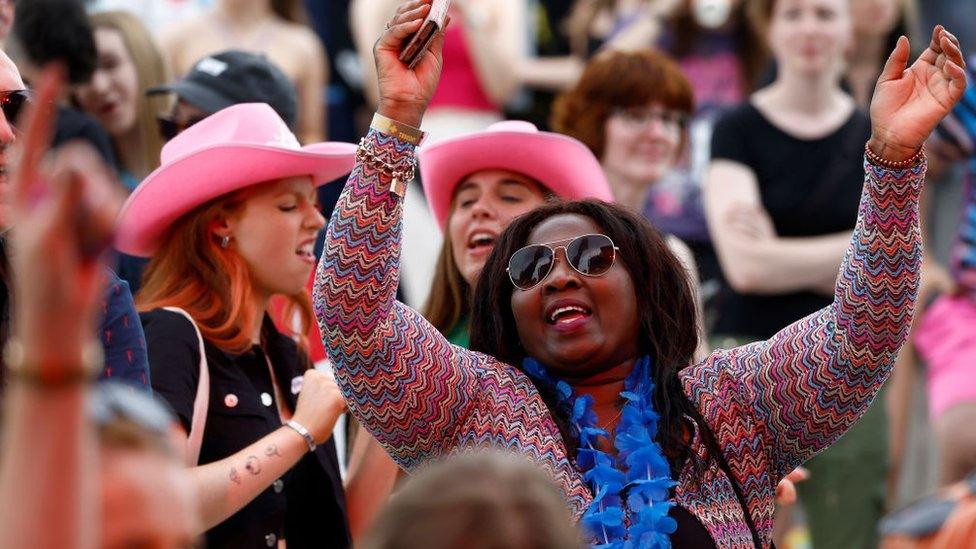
191	271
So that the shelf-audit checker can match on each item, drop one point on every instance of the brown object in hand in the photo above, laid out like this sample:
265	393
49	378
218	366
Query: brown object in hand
418	42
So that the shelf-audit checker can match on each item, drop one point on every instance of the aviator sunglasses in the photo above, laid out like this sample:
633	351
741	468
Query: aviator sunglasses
169	127
12	104
589	255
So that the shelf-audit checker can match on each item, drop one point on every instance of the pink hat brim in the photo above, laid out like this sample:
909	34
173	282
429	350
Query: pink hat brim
562	164
185	183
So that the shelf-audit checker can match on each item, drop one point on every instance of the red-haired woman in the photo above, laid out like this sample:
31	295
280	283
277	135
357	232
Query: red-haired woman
230	220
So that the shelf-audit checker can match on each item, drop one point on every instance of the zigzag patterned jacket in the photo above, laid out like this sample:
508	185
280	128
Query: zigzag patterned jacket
771	405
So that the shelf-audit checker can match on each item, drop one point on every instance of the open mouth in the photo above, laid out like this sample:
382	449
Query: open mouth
306	252
567	314
481	241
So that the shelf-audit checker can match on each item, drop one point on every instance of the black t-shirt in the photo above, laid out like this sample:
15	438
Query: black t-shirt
307	507
809	187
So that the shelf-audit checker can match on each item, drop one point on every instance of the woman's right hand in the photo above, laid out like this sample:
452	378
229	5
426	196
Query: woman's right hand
404	93
320	404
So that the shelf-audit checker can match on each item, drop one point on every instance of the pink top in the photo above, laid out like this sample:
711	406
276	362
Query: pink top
460	87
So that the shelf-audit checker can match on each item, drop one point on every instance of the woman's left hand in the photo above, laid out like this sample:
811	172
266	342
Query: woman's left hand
910	101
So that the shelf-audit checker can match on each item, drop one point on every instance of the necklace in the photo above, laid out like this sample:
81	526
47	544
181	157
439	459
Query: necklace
630	490
606	425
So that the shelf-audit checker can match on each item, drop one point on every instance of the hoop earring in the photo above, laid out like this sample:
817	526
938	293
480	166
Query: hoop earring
225	242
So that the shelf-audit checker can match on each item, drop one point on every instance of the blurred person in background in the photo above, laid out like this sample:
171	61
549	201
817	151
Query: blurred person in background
49	496
945	335
781	199
230	220
276	28
631	109
723	56
56	30
220	80
129	63
59	30
877	26
615	24
478	500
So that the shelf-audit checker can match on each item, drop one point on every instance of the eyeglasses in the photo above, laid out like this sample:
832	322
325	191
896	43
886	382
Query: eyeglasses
589	255
170	128
12	103
640	118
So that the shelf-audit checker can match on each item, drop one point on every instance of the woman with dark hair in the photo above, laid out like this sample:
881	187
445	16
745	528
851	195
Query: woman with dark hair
649	450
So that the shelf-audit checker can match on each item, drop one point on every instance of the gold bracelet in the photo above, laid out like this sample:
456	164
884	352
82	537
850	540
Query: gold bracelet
399	176
877	160
399	130
45	376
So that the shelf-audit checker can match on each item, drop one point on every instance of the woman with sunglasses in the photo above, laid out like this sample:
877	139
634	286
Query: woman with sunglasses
585	324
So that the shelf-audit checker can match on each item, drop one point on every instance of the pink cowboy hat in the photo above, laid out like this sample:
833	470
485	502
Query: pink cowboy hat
560	163
229	150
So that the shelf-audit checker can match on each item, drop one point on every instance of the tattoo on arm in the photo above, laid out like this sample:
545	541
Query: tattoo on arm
252	465
235	476
272	450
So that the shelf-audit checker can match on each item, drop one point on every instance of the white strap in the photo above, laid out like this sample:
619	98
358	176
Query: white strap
202	400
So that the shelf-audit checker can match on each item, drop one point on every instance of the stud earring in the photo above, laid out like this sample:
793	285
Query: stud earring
225	242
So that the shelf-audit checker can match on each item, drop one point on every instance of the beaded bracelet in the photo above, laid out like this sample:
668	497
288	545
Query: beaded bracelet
400	175
877	160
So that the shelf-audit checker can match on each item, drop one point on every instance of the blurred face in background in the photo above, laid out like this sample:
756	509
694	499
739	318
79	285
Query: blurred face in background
642	144
877	17
810	37
148	501
112	95
484	204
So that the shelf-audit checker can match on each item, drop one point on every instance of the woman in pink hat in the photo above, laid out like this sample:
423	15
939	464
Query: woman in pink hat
476	184
583	328
230	220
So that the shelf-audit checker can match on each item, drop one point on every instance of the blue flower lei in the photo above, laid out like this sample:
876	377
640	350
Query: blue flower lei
630	493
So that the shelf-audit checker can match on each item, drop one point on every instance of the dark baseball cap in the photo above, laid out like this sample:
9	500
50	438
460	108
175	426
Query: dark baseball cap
231	77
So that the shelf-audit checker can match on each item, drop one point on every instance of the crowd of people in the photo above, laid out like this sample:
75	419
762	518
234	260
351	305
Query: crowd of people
609	273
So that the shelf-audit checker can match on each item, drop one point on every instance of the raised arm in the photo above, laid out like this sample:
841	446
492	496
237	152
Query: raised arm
803	388
407	385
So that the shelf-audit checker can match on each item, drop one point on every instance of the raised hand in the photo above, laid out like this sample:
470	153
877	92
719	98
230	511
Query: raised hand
404	93
910	101
63	212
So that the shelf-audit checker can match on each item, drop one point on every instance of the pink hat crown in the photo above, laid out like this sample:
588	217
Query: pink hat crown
244	124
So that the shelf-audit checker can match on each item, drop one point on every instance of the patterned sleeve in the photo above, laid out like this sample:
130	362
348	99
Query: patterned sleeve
401	378
795	394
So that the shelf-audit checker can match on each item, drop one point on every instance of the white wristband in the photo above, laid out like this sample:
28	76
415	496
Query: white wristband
301	430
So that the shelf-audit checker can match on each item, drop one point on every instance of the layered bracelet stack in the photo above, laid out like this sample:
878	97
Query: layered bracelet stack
402	171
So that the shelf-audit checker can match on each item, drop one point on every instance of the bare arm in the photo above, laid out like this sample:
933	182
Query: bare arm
366	19
496	43
370	481
312	84
758	261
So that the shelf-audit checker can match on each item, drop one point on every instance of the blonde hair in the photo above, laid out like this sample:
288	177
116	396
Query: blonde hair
151	71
